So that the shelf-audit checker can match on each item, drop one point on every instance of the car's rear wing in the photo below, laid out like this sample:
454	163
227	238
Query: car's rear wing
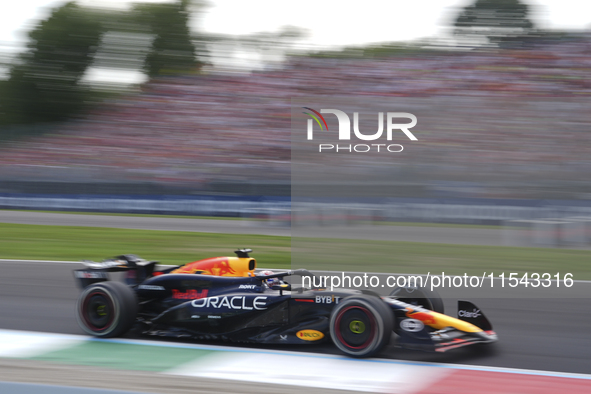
138	270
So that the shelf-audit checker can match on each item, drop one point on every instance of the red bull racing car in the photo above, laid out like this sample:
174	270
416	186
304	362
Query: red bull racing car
225	298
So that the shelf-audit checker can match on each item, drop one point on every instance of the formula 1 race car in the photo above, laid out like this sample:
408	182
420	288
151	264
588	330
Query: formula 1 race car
225	298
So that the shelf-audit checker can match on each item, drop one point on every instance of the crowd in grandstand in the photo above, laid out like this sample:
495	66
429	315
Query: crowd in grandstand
511	114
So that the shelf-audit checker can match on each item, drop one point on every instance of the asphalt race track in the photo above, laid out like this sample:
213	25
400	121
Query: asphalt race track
540	334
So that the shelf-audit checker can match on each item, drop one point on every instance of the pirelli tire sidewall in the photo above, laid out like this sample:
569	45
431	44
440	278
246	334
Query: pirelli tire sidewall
366	317
116	301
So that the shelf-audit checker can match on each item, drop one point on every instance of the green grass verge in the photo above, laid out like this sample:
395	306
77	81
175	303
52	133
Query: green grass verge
19	241
37	242
415	257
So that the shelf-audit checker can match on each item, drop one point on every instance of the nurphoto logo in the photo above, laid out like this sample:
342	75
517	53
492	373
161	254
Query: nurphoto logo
345	130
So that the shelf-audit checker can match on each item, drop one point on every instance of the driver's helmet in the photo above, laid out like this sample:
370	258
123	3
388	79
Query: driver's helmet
271	281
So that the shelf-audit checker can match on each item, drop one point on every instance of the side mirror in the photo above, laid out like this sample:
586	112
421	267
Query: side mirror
285	286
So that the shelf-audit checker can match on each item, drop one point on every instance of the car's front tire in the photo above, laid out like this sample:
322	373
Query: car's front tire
360	326
106	309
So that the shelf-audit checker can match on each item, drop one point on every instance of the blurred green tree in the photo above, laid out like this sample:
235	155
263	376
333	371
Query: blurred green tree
497	20
172	50
44	83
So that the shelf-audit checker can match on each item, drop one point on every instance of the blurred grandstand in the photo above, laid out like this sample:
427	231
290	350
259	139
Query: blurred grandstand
230	133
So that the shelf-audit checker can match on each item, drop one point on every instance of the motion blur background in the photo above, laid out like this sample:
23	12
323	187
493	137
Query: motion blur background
190	101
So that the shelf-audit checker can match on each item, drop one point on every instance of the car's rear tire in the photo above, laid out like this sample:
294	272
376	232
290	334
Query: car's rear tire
360	326
106	309
420	296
